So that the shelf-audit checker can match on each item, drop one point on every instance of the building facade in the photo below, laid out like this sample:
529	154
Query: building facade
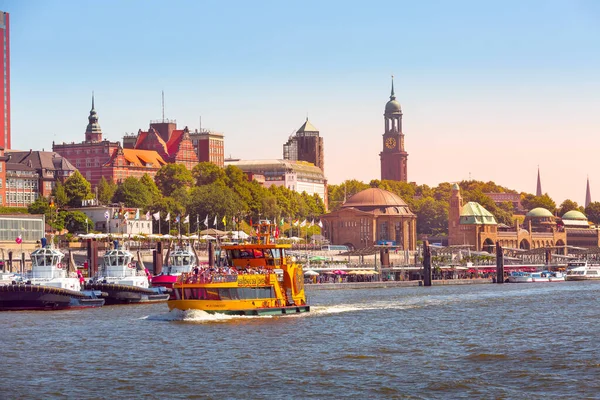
49	168
5	81
306	145
372	217
473	225
120	220
180	146
394	158
125	163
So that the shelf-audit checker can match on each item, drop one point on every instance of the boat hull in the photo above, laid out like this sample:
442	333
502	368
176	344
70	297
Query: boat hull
165	281
221	307
126	294
37	297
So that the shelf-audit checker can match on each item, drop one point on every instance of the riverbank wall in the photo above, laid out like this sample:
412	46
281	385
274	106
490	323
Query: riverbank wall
393	284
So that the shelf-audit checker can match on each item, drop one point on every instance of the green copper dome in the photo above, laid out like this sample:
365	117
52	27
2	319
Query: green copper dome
455	187
473	213
393	106
574	214
539	213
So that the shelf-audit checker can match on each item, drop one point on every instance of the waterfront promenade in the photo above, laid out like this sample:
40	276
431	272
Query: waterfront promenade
393	284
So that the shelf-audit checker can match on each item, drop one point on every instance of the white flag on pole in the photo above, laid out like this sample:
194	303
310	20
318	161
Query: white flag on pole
215	223
168	217
156	215
303	224
186	220
320	224
206	221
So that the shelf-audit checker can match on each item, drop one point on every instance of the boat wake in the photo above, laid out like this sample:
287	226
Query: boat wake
197	316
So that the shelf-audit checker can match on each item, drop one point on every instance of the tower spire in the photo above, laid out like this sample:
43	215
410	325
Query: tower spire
538	191
93	100
588	194
392	95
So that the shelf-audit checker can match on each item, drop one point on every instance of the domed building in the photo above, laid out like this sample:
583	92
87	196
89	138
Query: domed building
373	216
471	224
575	218
579	232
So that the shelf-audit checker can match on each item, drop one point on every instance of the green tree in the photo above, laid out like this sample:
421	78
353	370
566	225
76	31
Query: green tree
592	211
342	192
60	195
154	191
77	189
76	221
106	191
171	177
566	206
215	199
206	173
432	216
529	202
39	206
132	193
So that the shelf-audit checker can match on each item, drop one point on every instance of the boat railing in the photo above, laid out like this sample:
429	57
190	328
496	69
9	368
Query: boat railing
208	278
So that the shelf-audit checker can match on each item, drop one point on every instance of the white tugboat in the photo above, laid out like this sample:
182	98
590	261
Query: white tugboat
49	286
123	283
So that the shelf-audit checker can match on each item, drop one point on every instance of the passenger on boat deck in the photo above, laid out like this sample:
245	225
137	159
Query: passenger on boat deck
196	270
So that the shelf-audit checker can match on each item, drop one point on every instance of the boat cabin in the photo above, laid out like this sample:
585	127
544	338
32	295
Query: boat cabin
119	263
46	263
180	260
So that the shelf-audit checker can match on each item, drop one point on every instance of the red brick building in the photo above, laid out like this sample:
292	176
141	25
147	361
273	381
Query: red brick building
5	81
131	162
393	157
3	159
90	155
172	144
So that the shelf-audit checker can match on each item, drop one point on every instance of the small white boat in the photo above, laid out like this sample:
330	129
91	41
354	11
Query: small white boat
520	277
530	277
582	271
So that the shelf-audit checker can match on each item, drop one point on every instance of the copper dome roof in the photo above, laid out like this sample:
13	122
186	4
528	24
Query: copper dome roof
375	197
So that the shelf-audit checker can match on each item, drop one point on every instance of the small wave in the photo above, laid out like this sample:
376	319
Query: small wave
486	357
358	357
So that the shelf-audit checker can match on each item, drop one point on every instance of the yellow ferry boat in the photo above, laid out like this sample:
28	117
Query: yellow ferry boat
259	279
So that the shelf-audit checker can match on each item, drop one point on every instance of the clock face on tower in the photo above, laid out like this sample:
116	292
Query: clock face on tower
390	143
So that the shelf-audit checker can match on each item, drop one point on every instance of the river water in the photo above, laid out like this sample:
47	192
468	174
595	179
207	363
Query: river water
529	341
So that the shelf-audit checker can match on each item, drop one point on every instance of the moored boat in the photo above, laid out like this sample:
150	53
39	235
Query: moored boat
181	260
259	279
531	277
582	271
49	286
123	283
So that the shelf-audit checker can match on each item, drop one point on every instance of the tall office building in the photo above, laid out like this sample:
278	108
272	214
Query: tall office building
306	145
5	81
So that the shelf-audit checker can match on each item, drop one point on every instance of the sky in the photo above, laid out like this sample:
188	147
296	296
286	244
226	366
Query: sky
489	90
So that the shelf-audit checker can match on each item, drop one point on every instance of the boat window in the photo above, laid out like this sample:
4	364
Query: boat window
258	253
186	260
276	253
121	260
242	253
48	260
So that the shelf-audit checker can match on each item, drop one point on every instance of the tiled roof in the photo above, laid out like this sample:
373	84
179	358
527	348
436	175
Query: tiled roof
143	158
48	160
173	143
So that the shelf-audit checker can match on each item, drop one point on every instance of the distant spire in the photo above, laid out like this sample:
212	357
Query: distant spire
588	194
93	100
538	191
393	95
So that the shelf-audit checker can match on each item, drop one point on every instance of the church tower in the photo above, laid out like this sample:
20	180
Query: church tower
456	205
393	156
93	132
